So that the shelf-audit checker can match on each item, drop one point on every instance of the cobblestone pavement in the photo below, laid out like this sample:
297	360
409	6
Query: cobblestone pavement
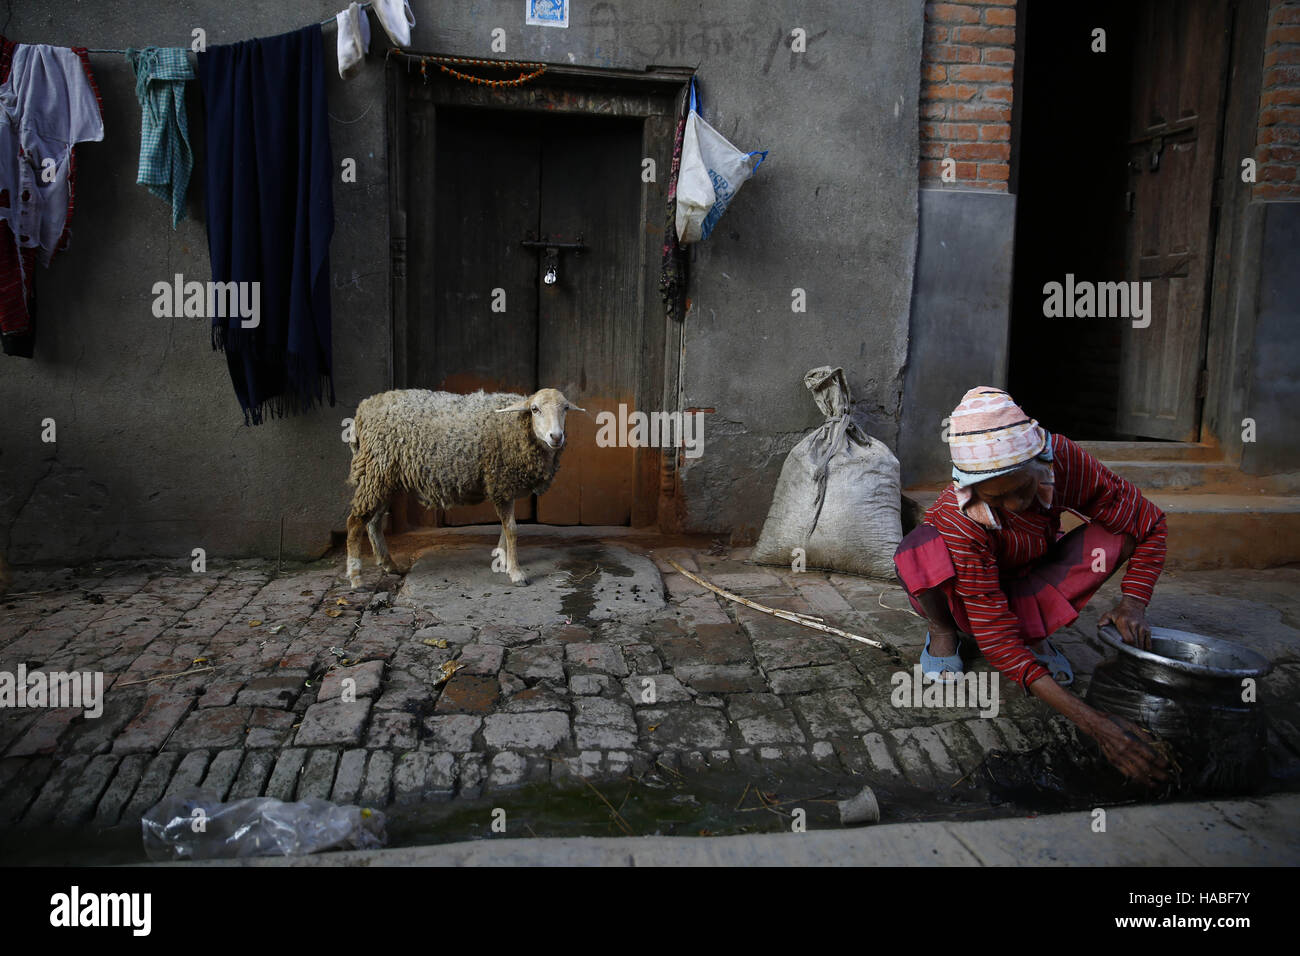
610	665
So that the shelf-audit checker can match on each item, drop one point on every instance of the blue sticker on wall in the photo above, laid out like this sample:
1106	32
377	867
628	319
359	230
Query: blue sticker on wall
547	13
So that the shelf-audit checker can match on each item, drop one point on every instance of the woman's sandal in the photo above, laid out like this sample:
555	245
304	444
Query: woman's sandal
1055	662
932	667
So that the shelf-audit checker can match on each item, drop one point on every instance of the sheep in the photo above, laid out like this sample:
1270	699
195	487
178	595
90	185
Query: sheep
451	449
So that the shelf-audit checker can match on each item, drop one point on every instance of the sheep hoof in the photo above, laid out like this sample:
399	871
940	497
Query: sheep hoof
517	577
354	582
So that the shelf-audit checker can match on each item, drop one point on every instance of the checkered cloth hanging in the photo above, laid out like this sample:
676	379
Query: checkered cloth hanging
165	157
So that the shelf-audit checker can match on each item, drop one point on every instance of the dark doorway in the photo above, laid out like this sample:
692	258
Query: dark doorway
1118	154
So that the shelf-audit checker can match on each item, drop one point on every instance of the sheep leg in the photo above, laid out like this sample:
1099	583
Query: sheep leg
375	529
506	512
356	523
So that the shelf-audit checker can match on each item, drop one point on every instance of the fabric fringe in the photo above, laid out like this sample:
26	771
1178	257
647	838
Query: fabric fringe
290	403
306	387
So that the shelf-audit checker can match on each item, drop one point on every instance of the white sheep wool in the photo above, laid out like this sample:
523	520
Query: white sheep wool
836	505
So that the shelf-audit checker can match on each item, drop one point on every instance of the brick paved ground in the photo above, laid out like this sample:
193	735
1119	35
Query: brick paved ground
312	689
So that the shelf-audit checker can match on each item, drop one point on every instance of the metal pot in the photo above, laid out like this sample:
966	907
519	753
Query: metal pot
1190	690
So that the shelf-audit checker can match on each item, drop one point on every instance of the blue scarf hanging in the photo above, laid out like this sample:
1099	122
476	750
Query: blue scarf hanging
271	216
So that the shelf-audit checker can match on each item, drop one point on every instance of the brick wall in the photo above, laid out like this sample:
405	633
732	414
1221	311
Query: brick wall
966	92
1277	150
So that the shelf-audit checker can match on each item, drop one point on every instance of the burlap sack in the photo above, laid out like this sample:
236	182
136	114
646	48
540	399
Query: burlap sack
838	496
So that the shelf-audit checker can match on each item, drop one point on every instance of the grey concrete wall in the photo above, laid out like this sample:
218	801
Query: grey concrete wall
832	211
152	456
961	321
1274	390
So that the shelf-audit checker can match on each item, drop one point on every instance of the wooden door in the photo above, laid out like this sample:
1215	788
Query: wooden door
1180	58
474	194
484	181
590	336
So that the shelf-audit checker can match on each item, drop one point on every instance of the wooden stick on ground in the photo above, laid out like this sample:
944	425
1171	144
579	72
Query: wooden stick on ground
618	817
792	616
150	680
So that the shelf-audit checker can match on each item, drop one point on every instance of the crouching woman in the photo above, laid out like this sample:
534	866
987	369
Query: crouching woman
989	562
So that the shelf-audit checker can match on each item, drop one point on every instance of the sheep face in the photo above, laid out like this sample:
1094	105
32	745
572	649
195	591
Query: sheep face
547	407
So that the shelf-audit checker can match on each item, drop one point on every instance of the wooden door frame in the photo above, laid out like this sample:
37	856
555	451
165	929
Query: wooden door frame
1214	142
1234	247
1234	266
1221	140
653	96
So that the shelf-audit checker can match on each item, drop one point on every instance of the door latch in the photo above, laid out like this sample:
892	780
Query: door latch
551	250
1157	147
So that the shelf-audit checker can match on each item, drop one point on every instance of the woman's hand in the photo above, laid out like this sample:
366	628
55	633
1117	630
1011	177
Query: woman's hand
1124	744
1130	619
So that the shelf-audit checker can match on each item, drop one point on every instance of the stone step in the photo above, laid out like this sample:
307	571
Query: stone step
1215	530
1151	451
1208	475
1230	530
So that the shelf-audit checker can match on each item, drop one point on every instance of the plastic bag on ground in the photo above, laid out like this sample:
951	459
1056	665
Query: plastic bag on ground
197	825
712	172
838	497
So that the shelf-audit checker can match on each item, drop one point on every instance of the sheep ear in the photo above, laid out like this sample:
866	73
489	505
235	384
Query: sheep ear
574	408
516	407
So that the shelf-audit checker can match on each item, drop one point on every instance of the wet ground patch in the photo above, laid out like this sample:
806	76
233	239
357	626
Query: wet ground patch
573	583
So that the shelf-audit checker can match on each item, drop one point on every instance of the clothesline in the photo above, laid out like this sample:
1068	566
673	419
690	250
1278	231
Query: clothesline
261	126
323	23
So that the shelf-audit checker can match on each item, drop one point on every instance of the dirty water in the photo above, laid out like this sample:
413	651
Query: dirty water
683	803
1053	778
667	803
662	802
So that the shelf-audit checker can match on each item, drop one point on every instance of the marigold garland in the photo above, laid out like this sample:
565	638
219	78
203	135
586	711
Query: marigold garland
537	69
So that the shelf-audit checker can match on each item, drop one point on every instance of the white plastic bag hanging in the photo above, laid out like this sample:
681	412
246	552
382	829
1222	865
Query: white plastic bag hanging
711	174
